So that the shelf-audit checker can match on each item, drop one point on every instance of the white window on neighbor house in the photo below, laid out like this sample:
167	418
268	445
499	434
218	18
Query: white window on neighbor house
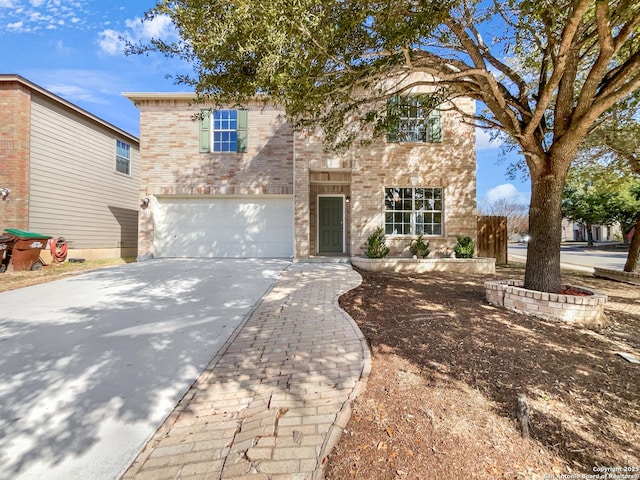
223	131
123	157
414	118
413	211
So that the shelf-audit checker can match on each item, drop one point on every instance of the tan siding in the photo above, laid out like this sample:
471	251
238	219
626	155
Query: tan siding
75	189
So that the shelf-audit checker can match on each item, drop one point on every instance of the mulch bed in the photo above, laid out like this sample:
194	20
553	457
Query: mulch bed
448	367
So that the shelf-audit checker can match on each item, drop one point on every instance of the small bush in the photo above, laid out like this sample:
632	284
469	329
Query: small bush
376	248
464	248
418	248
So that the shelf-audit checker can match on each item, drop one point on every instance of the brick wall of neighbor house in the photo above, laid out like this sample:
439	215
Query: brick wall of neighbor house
171	163
15	105
450	164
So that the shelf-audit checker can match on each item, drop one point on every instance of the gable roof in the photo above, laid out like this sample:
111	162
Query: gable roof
68	106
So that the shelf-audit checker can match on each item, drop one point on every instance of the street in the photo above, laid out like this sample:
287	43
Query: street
578	256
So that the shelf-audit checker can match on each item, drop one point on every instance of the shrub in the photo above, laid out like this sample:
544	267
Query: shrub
464	248
376	248
418	248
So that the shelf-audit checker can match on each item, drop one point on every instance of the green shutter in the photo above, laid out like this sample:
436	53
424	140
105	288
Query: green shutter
243	120
392	119
435	128
205	131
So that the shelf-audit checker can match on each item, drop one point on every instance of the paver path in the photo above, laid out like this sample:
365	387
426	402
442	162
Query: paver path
273	402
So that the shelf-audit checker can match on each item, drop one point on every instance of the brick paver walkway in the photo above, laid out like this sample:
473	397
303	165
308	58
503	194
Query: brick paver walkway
274	401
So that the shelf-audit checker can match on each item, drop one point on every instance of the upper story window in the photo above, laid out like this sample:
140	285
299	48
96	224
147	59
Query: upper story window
413	211
123	157
413	119
223	131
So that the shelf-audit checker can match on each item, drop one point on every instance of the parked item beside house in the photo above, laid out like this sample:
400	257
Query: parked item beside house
58	248
26	248
6	245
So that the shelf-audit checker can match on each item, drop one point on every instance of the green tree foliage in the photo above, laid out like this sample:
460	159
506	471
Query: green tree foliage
599	195
335	63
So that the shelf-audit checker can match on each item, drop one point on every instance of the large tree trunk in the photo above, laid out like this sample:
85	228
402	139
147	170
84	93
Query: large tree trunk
633	258
545	221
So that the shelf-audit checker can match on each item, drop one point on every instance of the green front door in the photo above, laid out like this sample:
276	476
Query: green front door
330	225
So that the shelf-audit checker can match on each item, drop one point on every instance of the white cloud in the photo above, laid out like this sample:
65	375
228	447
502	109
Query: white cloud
75	93
484	142
36	15
506	191
61	48
80	86
112	42
15	27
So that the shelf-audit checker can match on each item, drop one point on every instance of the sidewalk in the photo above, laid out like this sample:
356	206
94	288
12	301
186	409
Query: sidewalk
273	402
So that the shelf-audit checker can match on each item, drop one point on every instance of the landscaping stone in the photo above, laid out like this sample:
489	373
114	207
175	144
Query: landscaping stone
583	310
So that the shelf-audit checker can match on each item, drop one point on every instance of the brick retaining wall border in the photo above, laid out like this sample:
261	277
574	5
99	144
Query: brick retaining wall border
585	311
617	275
423	265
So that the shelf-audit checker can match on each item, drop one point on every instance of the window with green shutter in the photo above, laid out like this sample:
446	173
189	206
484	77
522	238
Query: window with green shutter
223	131
205	131
413	119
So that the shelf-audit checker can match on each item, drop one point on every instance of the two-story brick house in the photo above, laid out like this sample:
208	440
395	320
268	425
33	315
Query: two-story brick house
242	183
66	172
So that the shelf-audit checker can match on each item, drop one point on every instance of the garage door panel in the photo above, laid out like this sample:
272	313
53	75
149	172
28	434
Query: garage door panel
230	227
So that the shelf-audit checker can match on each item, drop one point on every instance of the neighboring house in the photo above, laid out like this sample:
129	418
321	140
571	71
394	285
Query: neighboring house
578	232
68	172
241	183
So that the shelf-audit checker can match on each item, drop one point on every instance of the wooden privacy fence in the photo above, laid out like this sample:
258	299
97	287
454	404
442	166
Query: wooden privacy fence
492	238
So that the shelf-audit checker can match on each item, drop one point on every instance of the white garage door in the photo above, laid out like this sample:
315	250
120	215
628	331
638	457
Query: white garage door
224	227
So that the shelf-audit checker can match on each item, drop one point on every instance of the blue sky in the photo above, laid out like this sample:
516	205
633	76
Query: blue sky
73	48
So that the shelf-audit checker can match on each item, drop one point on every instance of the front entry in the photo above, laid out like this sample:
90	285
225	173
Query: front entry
330	224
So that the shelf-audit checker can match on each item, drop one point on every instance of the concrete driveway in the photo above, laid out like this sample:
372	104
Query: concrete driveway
91	365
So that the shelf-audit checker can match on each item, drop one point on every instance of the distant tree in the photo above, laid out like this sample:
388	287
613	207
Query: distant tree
333	63
587	201
597	194
615	143
627	207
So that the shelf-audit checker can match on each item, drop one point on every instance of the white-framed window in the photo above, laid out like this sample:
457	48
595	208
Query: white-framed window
413	211
223	131
123	157
414	118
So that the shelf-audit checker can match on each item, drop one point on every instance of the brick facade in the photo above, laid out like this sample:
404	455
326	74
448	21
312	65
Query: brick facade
171	163
15	105
280	162
450	165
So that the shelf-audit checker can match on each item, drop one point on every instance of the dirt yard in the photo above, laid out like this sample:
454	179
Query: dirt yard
11	280
440	401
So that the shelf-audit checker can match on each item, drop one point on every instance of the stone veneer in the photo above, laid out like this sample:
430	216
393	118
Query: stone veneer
171	163
280	161
450	165
618	275
424	265
585	311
